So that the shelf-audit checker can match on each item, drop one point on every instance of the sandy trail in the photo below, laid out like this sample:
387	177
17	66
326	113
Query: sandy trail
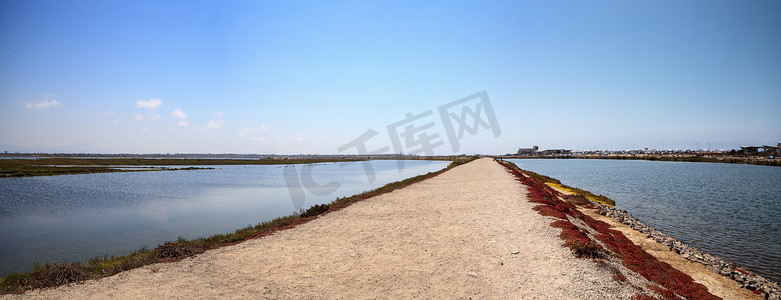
452	236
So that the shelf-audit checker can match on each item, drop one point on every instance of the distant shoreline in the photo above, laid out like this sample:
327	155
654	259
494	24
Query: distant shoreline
729	159
50	164
220	156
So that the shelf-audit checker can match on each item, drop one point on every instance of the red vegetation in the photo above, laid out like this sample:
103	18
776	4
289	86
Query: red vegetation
577	240
574	238
667	294
638	260
633	256
619	277
547	210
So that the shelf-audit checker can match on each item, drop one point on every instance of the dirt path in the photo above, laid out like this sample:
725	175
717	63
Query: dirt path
469	232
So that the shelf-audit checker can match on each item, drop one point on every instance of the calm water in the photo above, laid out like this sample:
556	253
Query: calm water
729	210
77	217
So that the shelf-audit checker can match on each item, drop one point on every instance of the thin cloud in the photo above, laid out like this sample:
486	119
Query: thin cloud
109	113
151	103
246	131
182	123
40	104
178	113
214	124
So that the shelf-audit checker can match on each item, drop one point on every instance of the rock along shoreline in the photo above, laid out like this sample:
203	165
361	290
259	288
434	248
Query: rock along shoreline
717	265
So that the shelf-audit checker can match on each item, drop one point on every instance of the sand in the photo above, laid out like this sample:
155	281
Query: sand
467	233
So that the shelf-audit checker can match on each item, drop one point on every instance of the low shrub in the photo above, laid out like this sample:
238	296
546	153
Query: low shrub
459	162
576	199
179	249
315	210
59	274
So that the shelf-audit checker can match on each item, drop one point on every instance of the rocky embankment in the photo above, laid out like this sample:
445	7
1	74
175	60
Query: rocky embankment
747	279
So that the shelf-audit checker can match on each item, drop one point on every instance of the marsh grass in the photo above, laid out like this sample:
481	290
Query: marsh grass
589	195
52	275
576	199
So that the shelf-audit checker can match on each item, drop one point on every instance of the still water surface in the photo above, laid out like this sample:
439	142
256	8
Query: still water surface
76	217
729	210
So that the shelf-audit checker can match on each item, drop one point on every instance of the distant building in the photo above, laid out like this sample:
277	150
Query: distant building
750	149
555	151
528	151
776	149
535	150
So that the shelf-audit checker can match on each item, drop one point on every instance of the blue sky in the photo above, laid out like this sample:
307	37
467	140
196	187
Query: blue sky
310	76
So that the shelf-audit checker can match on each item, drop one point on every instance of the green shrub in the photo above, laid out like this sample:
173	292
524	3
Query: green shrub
315	210
175	250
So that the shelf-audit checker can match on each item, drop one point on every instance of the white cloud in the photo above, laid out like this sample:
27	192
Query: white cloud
178	113
47	102
251	130
214	124
258	138
301	138
40	104
181	123
109	113
219	114
151	103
